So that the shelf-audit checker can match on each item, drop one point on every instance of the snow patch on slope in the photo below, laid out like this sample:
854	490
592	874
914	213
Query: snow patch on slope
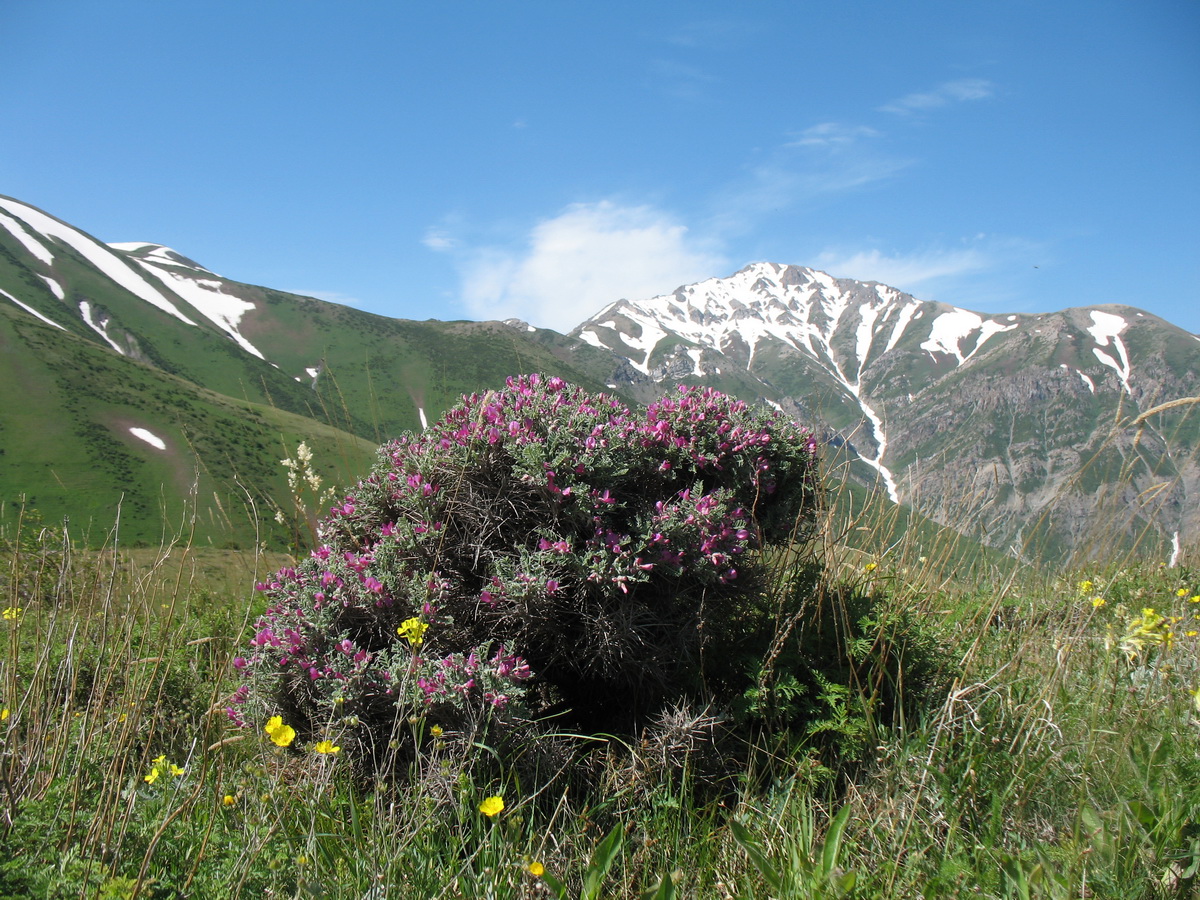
28	241
98	325
950	329
31	310
590	337
95	253
224	310
55	288
1091	385
149	437
1107	328
906	316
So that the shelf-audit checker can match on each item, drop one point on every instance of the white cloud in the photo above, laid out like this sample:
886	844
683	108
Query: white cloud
583	259
950	92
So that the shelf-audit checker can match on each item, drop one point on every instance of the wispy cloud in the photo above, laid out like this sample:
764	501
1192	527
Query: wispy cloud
682	81
833	135
960	91
331	297
907	271
439	239
712	34
980	271
792	178
586	257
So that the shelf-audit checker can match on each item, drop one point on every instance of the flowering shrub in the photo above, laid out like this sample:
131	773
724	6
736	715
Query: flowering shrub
540	549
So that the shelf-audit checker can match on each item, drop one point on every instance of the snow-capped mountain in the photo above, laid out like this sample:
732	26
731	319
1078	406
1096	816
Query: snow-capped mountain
991	419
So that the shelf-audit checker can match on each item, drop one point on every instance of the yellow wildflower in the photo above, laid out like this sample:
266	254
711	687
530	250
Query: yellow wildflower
326	747
436	730
152	777
491	806
175	770
413	630
1085	587
281	735
1098	602
12	613
228	800
536	869
870	567
1182	592
3	714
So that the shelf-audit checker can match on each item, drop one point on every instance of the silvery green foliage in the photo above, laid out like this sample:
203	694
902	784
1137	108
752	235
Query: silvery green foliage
538	549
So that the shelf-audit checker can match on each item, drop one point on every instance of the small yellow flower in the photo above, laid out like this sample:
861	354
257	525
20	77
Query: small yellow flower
160	760
12	613
1085	587
1191	633
413	630
3	714
436	730
228	800
326	747
152	777
536	869
175	770
491	806
281	735
1195	598
870	567
1182	592
1098	602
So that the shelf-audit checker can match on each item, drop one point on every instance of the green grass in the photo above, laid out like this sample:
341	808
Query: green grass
1062	759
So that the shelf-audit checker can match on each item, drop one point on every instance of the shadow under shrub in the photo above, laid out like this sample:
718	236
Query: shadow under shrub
837	663
540	551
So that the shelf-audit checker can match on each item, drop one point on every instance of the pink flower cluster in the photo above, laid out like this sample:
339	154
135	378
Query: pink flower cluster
457	678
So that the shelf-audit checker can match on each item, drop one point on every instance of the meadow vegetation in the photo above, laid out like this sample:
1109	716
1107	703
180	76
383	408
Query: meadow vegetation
900	719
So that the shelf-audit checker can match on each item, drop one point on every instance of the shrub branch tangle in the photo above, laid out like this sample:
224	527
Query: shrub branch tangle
539	550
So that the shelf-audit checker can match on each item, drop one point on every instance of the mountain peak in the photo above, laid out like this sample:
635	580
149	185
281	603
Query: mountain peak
888	373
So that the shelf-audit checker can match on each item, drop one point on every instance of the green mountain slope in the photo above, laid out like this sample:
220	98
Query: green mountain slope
69	442
229	377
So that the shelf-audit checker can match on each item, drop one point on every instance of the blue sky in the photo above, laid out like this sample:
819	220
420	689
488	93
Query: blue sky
541	159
